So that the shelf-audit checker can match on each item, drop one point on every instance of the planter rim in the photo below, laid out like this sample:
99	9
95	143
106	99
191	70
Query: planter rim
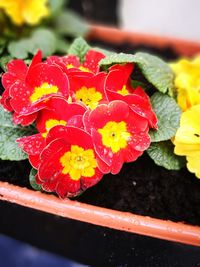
117	36
118	220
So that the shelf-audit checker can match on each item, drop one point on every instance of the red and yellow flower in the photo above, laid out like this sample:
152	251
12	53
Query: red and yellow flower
118	87
88	90
68	162
58	112
119	134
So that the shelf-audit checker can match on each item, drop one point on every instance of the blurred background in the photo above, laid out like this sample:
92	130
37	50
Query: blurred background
175	18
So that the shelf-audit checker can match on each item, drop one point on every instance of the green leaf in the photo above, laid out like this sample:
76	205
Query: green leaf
168	114
70	23
9	132
163	155
155	70
42	39
19	49
56	6
79	48
2	45
62	46
4	61
32	180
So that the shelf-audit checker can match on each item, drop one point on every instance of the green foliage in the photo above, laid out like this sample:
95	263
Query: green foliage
70	23
3	61
42	39
155	70
9	132
163	155
32	181
56	6
79	48
168	114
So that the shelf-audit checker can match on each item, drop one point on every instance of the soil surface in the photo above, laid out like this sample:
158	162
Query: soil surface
141	187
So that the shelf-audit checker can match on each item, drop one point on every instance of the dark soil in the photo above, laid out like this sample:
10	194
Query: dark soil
144	188
141	187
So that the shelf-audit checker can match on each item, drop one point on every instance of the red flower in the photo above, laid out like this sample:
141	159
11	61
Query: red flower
118	87
58	112
72	64
68	162
118	79
119	134
16	72
88	90
42	82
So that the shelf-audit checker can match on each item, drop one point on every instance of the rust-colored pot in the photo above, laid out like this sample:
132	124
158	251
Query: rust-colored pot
123	221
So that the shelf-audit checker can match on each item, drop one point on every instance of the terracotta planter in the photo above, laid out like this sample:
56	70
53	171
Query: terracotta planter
123	221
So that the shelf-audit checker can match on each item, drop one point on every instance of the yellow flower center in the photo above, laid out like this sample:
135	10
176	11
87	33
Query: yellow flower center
78	162
70	66
84	69
44	89
115	135
123	91
89	96
51	123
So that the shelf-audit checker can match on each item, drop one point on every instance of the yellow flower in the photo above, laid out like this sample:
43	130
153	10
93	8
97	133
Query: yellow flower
187	82
187	139
21	11
193	164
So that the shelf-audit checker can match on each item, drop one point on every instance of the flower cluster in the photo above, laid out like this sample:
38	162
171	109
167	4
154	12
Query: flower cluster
187	138
89	122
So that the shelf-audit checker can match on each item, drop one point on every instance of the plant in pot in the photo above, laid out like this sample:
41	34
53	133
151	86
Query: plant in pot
82	116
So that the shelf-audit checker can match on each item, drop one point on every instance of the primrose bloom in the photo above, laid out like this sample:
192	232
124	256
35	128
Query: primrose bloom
187	82
57	112
42	82
119	134
25	11
187	139
88	90
118	87
72	64
16	73
69	162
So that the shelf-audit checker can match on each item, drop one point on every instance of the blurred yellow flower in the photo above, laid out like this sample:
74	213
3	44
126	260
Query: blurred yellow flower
187	139
25	11
187	82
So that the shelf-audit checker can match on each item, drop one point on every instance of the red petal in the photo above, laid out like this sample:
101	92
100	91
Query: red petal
51	74
92	59
58	109
87	182
36	59
67	187
17	68
71	135
32	145
34	160
24	120
115	111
